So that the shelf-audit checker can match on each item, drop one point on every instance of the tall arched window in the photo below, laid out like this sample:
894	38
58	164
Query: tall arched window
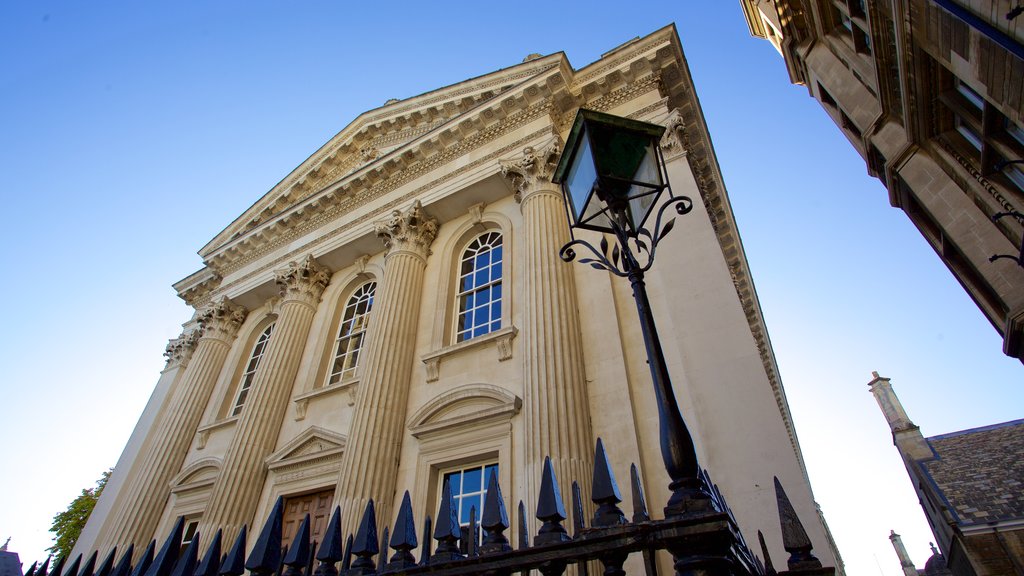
250	369
479	297
349	342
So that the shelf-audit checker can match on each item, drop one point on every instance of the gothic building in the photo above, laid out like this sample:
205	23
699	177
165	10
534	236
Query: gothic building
394	313
930	93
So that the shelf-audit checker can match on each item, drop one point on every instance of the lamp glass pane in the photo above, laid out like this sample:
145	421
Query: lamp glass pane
619	155
581	178
642	198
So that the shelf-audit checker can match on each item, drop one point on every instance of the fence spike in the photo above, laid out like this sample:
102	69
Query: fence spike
107	565
365	545
524	532
446	530
474	534
32	569
577	511
550	509
794	537
59	566
346	557
383	548
495	519
124	565
90	564
43	568
168	555
403	539
234	563
186	565
425	548
605	491
211	560
330	549
769	569
639	504
73	569
298	553
265	557
147	559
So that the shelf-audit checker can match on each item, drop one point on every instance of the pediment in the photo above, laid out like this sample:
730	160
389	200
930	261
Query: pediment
313	443
376	135
198	474
464	406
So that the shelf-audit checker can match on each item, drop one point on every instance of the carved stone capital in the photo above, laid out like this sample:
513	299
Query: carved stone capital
303	281
675	140
412	230
221	319
180	349
533	169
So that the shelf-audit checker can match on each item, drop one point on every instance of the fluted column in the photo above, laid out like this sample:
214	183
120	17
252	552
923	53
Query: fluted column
237	489
554	385
136	515
370	463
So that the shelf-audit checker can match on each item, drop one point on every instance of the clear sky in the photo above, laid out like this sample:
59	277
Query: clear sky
131	133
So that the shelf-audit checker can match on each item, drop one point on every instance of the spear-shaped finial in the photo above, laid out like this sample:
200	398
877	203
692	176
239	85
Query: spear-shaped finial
147	559
425	550
769	570
447	531
265	557
90	564
495	519
124	565
403	539
578	523
605	491
794	537
331	548
186	565
31	569
524	532
210	564
365	545
168	555
385	537
107	565
550	509
639	504
42	569
73	569
346	557
298	553
234	563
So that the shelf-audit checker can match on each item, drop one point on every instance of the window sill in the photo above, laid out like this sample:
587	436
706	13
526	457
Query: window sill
501	338
203	433
302	400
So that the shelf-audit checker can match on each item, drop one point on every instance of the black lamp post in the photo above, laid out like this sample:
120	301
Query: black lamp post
612	175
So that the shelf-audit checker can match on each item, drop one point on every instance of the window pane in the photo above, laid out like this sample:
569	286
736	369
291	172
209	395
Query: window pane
469	502
471	480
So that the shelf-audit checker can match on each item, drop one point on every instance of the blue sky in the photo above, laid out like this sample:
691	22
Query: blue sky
131	134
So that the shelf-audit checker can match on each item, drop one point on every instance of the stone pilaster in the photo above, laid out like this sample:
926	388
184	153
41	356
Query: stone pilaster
370	463
139	508
554	385
236	491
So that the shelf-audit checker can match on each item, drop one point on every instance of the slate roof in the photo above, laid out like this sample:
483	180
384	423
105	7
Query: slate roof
980	472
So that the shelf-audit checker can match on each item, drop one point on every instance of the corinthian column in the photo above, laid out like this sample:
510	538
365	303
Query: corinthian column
136	514
554	386
237	489
370	462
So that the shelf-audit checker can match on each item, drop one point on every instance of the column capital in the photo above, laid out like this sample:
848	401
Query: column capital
221	319
413	230
180	349
303	281
532	170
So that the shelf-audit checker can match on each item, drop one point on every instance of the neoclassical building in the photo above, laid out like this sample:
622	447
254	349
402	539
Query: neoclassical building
394	313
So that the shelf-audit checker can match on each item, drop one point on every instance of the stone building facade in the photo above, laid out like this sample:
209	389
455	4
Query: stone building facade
394	313
929	92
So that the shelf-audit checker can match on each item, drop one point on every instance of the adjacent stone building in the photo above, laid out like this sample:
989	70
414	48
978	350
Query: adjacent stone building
394	313
929	92
969	484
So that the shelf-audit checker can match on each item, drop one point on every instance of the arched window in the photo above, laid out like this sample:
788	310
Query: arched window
479	296
351	333
250	369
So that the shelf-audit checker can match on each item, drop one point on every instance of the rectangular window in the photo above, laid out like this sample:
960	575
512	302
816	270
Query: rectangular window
469	490
191	526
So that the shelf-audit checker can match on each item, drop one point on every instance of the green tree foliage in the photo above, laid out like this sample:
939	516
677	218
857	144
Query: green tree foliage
68	524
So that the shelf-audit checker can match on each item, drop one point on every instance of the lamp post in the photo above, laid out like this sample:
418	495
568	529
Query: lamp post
612	175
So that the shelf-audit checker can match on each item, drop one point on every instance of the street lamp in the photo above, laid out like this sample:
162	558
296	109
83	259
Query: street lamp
612	175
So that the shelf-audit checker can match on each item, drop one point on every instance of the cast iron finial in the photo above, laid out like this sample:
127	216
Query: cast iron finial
265	557
365	545
73	569
298	553
234	563
639	504
124	565
210	563
186	565
550	509
168	555
425	550
90	564
346	557
524	533
331	549
107	565
42	569
794	537
32	569
495	519
578	523
769	569
447	531
605	492
385	537
147	559
472	535
403	539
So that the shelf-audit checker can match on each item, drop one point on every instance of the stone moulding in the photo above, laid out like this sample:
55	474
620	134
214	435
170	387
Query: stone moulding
502	339
302	400
480	403
315	445
197	475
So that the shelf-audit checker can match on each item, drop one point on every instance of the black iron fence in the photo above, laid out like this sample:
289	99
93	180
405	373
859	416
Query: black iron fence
705	542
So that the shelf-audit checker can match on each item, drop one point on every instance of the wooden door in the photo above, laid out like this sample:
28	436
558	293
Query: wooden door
317	505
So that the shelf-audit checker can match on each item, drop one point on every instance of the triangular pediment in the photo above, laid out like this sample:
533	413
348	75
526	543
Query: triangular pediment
378	134
314	442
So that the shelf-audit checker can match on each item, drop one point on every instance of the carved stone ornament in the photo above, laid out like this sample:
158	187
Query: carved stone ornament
303	281
675	138
412	230
180	349
535	166
221	319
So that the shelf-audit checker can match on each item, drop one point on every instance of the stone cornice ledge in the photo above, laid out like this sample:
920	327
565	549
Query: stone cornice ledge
502	338
302	400
203	432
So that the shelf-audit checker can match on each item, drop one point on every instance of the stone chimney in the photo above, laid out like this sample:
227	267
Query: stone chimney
905	434
905	562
